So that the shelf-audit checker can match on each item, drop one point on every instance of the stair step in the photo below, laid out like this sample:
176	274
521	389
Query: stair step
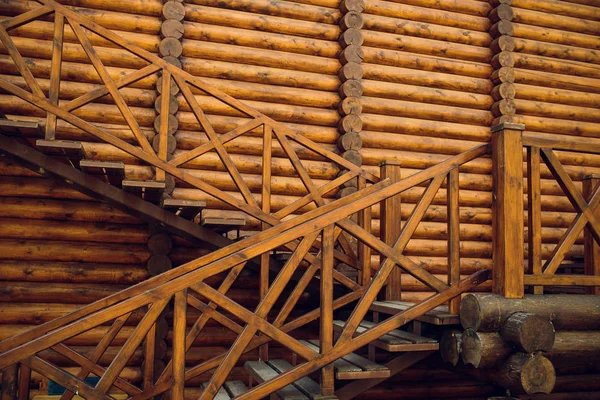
395	340
353	366
188	209
110	172
437	316
303	389
70	151
148	190
11	127
223	220
230	390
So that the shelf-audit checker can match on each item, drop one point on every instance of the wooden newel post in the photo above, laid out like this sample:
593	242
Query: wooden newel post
9	382
591	249
391	224
507	204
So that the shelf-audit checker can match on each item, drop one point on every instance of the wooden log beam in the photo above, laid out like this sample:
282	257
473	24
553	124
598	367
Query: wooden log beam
528	332
488	312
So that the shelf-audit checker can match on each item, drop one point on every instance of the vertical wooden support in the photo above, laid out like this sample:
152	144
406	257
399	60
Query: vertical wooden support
391	224
507	203
54	91
591	248
149	347
9	382
364	251
164	124
263	352
24	379
178	376
453	237
534	215
326	328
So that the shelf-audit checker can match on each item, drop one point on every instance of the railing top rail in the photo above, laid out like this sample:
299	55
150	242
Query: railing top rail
579	145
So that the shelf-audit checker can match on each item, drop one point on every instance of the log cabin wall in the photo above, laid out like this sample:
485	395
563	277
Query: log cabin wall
435	76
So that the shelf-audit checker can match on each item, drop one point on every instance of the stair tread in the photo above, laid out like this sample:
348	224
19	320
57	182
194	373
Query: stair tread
395	340
437	316
229	390
221	394
353	366
303	389
111	172
187	209
14	127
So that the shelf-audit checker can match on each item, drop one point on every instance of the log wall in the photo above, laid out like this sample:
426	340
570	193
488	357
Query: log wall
433	77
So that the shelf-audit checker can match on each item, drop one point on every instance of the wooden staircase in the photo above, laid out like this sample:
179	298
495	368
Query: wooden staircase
316	242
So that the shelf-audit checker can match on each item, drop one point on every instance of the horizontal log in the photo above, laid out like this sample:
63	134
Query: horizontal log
254	56
85	211
38	250
79	293
553	95
426	46
426	30
392	74
561	8
426	94
488	312
528	332
426	62
451	346
72	272
558	36
427	15
484	350
265	40
425	111
560	126
239	19
575	348
287	9
554	21
555	50
473	7
547	64
104	361
526	373
109	19
558	111
557	81
73	231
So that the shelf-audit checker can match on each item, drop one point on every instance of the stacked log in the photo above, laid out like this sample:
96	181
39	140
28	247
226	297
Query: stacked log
513	342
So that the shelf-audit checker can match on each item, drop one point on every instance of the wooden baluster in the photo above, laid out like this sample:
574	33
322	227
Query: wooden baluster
534	215
453	236
24	379
507	202
179	323
364	251
391	225
590	246
164	124
149	347
54	91
263	352
9	382
326	328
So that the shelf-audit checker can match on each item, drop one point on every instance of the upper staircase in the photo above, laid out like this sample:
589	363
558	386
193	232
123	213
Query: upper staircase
316	242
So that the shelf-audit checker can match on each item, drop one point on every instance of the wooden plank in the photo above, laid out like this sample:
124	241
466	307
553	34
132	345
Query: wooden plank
178	360
306	385
507	172
263	352
11	127
563	280
67	148
188	209
263	372
364	251
393	342
534	214
221	394
110	172
403	335
235	388
24	380
223	218
55	71
149	351
326	319
590	245
163	127
391	226
438	316
148	190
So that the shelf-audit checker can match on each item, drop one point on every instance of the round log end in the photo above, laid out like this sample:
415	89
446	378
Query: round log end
158	263
352	19
173	104
351	88
173	124
471	348
351	36
172	28
160	243
173	10
529	332
350	123
350	70
352	5
171	143
538	375
470	312
451	346
170	47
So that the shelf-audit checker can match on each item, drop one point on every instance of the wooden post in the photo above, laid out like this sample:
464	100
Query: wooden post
591	249
24	379
391	224
507	203
534	215
364	251
9	382
326	329
263	351
178	376
453	237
